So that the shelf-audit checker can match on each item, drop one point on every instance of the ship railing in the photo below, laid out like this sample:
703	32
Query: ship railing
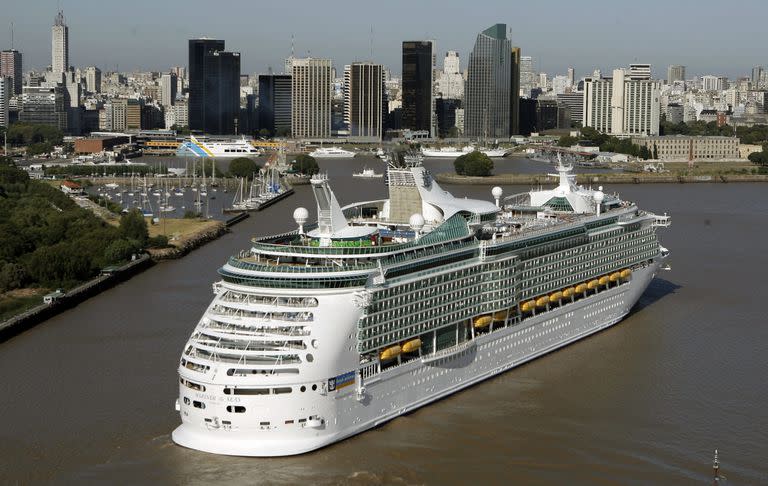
263	331
369	370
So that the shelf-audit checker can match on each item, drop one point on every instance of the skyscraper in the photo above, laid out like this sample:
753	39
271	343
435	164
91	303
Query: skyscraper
311	84
571	76
417	86
514	93
363	97
93	79
59	46
757	74
214	87
675	72
168	84
488	108
6	86
450	82
275	104
527	76
10	66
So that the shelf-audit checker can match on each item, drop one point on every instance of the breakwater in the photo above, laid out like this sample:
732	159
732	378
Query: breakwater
610	178
72	297
191	241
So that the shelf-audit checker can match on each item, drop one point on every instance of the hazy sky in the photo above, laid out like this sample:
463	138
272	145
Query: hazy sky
709	37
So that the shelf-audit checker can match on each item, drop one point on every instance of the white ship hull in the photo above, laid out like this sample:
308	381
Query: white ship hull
493	153
332	415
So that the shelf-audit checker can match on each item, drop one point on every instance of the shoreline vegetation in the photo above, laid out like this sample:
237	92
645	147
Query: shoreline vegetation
52	242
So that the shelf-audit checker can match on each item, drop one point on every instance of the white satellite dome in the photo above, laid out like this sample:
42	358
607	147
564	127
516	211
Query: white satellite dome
300	215
497	192
416	222
599	196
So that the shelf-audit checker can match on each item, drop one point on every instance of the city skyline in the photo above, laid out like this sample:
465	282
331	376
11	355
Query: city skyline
571	35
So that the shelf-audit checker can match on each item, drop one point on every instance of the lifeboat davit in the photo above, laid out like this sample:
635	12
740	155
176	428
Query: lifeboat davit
567	293
556	297
528	306
482	321
411	346
625	273
390	353
542	301
593	284
615	276
604	280
581	288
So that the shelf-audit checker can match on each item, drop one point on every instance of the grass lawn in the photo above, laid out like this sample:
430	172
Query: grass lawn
179	229
18	301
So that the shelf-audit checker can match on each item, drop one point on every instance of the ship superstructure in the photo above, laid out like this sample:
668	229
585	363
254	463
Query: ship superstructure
383	306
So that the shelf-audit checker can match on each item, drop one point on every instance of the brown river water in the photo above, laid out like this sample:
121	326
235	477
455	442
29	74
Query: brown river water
87	397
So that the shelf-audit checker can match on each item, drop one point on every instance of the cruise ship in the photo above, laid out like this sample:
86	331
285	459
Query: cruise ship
204	147
381	307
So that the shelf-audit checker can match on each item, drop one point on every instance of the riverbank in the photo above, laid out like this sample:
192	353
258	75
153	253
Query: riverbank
108	279
605	178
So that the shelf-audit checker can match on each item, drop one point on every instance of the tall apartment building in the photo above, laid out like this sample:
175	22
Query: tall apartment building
571	76
274	112
714	83
311	85
168	85
93	79
44	105
417	86
489	85
363	100
573	103
59	46
757	75
6	87
514	97
621	106
214	87
675	72
10	66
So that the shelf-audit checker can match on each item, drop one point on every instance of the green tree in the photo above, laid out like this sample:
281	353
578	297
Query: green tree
305	164
644	153
12	276
473	164
264	133
121	250
655	152
243	167
133	226
567	141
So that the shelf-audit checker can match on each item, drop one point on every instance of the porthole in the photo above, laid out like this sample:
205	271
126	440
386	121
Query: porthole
186	401
314	387
310	358
303	388
314	343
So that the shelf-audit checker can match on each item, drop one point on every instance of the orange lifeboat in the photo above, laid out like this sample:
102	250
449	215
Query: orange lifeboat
390	353
593	284
581	288
482	321
500	315
556	297
567	293
542	301
528	306
604	280
411	346
615	276
625	273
